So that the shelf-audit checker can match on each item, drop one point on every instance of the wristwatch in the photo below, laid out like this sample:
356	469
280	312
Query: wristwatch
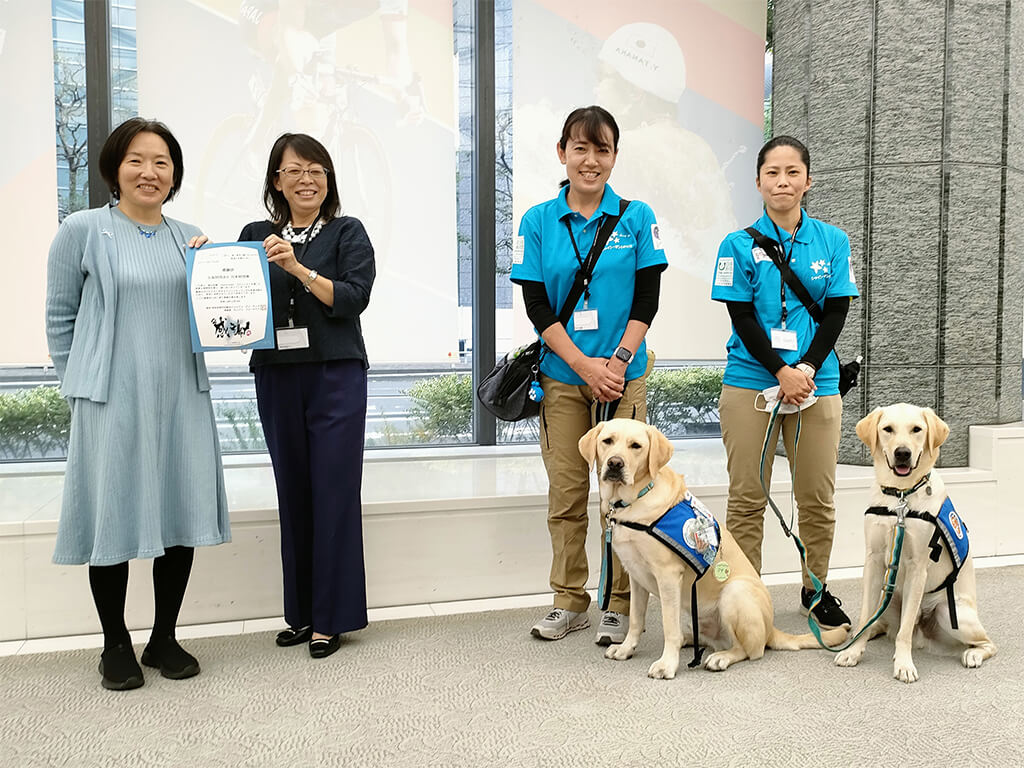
313	275
624	355
806	368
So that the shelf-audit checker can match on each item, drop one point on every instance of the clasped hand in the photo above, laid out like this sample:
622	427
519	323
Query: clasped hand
605	380
794	386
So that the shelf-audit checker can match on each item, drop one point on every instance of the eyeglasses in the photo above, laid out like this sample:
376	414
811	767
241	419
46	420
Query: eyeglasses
294	174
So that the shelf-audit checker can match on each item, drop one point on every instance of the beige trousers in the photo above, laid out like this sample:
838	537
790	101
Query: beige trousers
567	413
743	431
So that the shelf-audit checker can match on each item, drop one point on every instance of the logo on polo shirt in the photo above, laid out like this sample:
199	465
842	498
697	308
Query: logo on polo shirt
821	270
619	241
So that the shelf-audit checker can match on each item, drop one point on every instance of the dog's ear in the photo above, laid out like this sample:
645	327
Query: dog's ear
867	429
588	445
938	430
659	452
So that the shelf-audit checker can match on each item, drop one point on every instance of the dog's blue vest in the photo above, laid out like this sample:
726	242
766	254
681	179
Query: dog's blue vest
949	529
691	531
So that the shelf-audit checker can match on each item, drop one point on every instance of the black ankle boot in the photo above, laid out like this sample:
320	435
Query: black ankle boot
173	661
120	670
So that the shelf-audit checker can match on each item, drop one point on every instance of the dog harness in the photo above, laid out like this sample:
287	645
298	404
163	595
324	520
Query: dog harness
949	529
691	531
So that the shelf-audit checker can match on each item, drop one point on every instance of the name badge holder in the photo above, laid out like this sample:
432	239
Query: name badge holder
781	337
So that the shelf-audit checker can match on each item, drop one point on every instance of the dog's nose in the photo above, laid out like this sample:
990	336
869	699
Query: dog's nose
615	463
902	455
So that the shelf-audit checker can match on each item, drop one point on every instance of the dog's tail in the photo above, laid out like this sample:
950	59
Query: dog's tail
783	641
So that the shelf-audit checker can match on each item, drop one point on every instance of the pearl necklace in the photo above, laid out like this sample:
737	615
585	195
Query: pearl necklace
288	233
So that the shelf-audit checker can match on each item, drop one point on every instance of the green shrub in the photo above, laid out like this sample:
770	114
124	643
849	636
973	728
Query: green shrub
34	423
246	429
443	406
682	400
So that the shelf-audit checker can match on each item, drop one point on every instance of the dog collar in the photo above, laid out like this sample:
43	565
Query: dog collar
620	504
902	494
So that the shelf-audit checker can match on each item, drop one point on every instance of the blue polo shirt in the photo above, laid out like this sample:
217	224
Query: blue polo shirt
547	257
820	258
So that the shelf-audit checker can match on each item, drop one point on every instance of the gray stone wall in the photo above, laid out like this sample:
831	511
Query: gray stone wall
914	114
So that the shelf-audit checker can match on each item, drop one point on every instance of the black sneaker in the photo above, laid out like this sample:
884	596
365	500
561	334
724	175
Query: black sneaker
827	612
120	670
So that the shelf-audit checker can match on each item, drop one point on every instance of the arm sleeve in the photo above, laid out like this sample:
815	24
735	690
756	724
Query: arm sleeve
356	271
744	321
538	309
832	321
64	280
646	290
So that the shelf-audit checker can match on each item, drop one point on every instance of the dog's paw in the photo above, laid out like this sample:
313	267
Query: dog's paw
848	658
973	657
618	652
717	662
905	671
663	670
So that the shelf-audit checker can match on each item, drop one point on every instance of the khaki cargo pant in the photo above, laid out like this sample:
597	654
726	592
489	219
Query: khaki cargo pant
743	430
567	413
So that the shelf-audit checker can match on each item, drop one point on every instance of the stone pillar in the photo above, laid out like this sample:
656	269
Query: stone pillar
913	111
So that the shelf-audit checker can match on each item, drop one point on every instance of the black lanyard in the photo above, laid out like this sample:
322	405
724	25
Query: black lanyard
588	266
293	282
787	257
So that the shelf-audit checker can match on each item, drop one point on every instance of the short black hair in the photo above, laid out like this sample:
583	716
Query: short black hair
308	148
588	123
785	141
116	147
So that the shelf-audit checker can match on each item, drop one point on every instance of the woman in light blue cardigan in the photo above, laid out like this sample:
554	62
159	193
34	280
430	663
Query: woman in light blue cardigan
143	477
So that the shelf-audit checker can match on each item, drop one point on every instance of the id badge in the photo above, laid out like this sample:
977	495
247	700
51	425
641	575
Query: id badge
584	320
292	338
783	339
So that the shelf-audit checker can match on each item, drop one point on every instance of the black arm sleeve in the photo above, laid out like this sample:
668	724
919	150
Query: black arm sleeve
744	321
535	296
646	290
832	321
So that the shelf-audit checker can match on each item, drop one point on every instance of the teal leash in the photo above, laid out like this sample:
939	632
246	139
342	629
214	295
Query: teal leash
604	590
891	571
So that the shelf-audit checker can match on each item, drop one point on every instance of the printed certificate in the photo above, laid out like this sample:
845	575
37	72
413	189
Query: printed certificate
229	297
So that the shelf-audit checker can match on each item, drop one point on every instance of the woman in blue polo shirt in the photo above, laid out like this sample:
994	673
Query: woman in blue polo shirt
596	366
776	343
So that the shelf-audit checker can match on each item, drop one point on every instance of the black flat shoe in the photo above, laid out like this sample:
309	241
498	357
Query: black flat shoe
323	647
291	636
173	661
120	670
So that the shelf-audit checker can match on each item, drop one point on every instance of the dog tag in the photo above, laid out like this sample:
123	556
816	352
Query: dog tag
928	490
783	339
722	570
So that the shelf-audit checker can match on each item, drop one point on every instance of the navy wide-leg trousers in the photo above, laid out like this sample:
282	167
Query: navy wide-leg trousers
314	420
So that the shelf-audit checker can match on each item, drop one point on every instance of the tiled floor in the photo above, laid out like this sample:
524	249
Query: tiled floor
47	645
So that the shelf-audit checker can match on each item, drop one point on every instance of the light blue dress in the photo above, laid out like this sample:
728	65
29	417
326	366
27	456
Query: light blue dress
144	468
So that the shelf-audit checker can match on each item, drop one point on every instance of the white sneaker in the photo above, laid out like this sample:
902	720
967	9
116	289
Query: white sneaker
612	629
559	623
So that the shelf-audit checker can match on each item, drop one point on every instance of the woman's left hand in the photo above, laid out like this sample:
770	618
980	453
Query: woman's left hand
280	252
198	241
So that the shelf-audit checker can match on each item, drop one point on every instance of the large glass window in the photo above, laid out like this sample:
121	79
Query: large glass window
388	86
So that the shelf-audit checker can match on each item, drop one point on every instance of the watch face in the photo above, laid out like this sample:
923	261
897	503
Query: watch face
623	354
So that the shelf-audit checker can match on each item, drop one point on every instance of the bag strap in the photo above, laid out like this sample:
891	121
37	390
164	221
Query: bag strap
583	275
775	252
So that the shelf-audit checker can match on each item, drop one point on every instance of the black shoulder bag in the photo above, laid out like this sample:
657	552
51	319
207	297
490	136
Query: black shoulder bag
505	391
849	372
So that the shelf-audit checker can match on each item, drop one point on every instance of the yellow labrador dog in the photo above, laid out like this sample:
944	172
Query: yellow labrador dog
904	441
734	607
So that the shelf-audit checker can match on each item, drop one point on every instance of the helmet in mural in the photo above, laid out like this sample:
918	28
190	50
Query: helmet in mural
647	56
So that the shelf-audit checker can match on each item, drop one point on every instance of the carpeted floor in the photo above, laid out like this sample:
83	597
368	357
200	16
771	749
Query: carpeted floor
477	690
